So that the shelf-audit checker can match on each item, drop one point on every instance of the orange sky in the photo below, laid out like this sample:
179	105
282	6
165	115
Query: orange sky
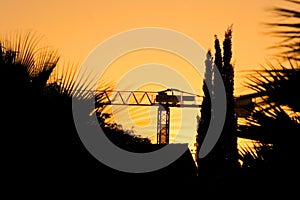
75	27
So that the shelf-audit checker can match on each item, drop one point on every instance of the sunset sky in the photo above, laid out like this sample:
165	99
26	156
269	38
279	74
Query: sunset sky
76	27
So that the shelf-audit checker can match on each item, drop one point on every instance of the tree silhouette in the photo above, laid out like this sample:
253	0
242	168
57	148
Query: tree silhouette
38	118
275	121
230	126
218	55
38	115
224	156
204	119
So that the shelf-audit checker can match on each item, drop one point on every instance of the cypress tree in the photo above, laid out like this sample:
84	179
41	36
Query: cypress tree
204	120
218	55
223	157
230	126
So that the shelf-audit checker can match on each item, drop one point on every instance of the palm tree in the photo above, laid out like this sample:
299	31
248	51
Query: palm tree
38	109
276	118
25	64
25	69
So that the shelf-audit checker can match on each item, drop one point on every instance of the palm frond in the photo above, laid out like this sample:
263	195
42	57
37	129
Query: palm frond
293	1
287	12
65	77
288	31
273	83
24	45
28	55
256	157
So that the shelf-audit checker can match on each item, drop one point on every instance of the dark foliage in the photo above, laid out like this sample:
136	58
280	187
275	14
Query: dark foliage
223	158
40	137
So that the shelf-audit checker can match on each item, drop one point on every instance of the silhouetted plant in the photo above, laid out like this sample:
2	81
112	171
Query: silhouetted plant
288	29
38	114
26	64
257	160
230	126
218	55
204	119
275	120
274	83
224	156
276	117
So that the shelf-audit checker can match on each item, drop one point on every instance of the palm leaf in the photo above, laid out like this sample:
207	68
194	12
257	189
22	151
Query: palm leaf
256	157
38	61
288	31
273	83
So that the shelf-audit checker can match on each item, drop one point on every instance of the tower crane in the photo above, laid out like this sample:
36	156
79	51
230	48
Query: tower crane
163	99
